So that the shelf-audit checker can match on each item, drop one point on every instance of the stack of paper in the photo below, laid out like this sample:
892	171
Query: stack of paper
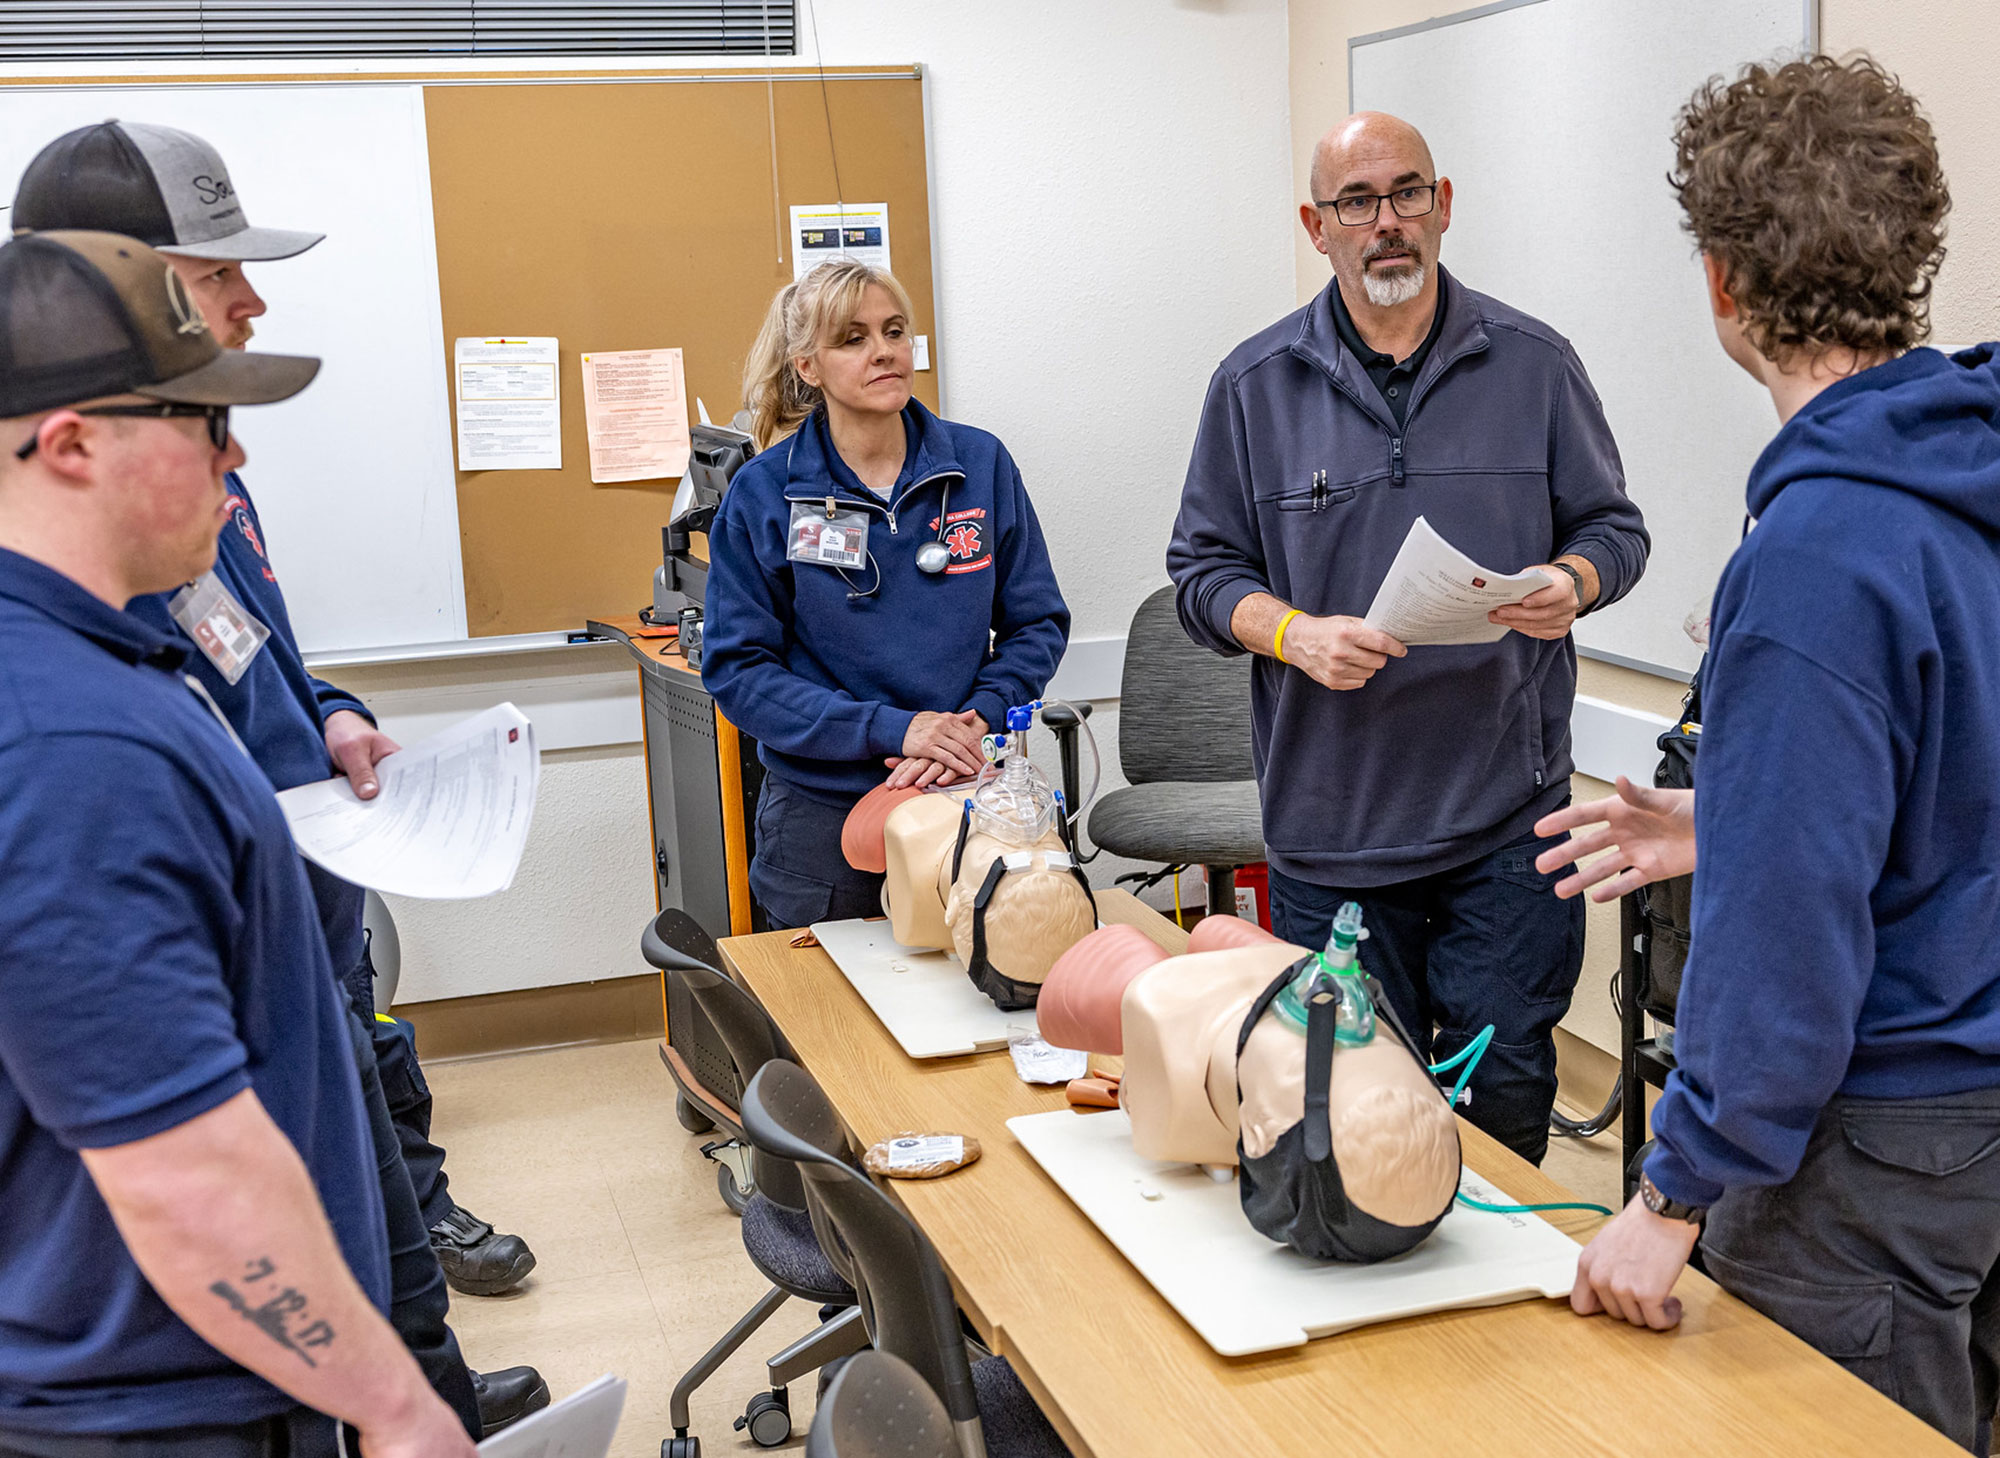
1435	594
449	822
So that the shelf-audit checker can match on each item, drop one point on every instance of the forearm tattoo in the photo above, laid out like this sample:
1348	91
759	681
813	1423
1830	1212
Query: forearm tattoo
273	1314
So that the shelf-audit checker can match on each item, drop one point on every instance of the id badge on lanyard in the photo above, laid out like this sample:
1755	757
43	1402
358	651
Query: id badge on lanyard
228	636
827	536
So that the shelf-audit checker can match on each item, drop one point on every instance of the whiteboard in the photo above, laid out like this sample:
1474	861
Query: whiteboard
1522	101
353	478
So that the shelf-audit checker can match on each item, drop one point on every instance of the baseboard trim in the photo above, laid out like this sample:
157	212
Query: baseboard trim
613	1010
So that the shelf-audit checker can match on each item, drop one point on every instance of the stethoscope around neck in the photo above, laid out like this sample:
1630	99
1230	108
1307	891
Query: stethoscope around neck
932	557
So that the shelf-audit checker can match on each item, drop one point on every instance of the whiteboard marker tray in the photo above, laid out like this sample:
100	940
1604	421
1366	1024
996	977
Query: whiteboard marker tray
1187	1235
922	997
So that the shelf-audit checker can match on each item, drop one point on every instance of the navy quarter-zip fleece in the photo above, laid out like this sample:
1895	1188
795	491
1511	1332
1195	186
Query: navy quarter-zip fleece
824	667
1452	752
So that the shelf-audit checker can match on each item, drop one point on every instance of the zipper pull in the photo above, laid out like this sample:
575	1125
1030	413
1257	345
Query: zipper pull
892	523
1396	461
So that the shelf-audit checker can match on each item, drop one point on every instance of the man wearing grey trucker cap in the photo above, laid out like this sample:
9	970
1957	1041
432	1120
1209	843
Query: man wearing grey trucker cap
172	190
192	1248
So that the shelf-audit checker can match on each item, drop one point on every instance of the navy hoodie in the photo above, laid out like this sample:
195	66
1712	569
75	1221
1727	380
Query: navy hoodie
825	674
1846	934
277	708
1303	485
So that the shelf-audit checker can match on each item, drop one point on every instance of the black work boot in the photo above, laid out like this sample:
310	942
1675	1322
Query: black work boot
508	1395
477	1259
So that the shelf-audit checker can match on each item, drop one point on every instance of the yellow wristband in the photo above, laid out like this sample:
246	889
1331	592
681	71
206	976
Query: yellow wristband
1278	642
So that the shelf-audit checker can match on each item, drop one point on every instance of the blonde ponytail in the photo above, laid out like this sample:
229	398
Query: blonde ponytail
806	315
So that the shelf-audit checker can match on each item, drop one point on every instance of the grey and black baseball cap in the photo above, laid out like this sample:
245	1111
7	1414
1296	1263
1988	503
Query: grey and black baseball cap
163	187
86	315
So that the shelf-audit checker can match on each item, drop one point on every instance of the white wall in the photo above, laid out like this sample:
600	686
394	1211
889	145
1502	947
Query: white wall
1110	187
1110	191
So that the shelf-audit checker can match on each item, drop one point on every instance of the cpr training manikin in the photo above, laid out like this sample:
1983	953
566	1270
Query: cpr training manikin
1252	1052
989	873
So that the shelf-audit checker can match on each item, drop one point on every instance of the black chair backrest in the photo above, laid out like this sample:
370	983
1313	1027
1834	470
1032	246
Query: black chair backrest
1183	712
753	1040
879	1406
905	1297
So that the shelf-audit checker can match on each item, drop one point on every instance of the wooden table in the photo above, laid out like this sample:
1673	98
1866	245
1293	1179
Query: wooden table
1122	1376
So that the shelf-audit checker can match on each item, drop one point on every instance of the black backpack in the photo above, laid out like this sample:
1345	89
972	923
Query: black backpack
1668	906
1294	1194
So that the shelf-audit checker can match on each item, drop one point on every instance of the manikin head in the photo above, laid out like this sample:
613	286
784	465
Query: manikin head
1036	910
1191	1097
1378	210
839	337
1814	193
115	399
168	189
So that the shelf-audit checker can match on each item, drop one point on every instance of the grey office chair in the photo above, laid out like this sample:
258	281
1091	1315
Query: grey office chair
777	1236
1184	745
879	1406
904	1294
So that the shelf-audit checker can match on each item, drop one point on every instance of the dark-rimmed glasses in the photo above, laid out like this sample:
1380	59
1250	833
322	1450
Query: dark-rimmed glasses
1358	209
217	417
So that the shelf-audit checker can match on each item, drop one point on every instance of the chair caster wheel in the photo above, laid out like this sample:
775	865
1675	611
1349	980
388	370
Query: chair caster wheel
691	1118
680	1448
733	1194
768	1417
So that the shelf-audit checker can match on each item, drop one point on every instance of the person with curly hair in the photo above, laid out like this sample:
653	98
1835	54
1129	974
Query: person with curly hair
1836	1110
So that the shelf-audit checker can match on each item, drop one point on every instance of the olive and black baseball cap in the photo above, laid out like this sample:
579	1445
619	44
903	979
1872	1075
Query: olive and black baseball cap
161	186
85	315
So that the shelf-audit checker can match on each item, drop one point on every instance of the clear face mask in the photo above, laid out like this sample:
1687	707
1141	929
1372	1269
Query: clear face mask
1334	973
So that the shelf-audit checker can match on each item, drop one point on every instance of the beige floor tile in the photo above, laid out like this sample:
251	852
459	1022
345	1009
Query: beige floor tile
640	1267
574	1331
700	1303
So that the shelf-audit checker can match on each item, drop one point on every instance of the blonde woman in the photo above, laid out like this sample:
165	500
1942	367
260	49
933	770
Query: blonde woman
879	590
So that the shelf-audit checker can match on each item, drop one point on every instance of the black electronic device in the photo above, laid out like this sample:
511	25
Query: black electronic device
716	453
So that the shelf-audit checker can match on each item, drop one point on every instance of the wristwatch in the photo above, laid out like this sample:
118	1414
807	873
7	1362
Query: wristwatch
1659	1204
1576	577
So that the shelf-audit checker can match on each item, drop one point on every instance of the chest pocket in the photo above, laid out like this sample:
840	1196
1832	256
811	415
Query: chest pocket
1319	499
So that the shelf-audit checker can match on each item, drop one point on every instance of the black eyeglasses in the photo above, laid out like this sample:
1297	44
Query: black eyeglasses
217	417
1358	209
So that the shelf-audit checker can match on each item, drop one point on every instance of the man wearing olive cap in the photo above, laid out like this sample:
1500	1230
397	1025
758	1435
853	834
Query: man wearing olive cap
192	1248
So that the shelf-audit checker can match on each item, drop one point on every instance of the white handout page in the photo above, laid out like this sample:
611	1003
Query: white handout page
449	822
1435	594
509	404
582	1425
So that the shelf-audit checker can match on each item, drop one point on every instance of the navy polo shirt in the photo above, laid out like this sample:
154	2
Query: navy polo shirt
160	952
1392	378
277	707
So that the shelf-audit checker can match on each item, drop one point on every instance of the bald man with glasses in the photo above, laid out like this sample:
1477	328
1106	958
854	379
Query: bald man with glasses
1410	778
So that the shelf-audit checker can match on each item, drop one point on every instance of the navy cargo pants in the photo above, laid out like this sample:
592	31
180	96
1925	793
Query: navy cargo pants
1482	943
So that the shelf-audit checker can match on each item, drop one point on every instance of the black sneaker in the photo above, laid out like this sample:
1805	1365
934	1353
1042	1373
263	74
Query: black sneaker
477	1259
508	1395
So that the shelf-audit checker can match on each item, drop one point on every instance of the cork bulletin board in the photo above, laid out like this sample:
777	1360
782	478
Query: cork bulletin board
639	215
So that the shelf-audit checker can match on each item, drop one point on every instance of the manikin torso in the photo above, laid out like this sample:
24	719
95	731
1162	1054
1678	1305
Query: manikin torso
1178	1020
